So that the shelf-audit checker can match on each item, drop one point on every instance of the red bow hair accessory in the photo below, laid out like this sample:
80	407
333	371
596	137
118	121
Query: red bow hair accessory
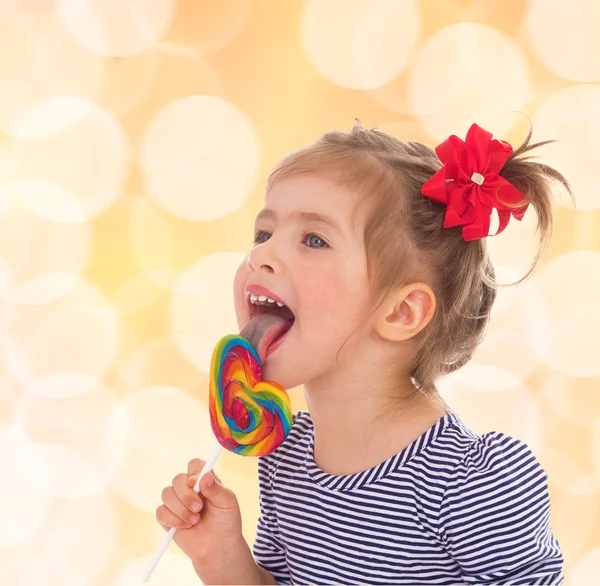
469	183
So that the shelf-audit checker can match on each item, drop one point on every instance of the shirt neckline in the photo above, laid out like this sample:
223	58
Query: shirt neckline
359	479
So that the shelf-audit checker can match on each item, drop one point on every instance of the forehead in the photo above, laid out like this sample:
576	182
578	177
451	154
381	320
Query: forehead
312	193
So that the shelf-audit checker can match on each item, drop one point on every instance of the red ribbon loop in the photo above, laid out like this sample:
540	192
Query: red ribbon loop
470	186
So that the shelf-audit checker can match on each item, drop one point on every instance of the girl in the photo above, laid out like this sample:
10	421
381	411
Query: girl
368	280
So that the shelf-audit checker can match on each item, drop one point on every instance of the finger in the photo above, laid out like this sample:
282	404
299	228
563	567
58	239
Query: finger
216	492
191	481
186	494
167	520
196	465
174	504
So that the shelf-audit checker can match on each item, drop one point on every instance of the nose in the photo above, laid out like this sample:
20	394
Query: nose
263	258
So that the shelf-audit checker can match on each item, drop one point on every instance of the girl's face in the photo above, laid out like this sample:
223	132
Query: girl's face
308	255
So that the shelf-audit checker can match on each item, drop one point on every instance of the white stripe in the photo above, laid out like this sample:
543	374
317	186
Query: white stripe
360	522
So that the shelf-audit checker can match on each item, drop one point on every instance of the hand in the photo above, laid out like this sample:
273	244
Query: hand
213	528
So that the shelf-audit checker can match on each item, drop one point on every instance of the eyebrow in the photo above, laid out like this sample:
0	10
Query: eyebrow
303	216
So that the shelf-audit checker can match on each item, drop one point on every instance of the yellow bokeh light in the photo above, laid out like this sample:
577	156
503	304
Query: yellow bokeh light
18	39
50	201
44	288
571	116
66	431
160	362
173	569
68	473
52	66
63	385
516	247
513	411
468	73
85	130
575	399
570	468
202	307
80	550
200	158
596	453
565	37
562	322
52	115
138	87
151	237
502	361
29	505
128	80
111	28
360	44
166	422
76	332
206	26
573	519
84	543
32	246
586	570
5	164
143	290
64	67
570	474
6	280
149	453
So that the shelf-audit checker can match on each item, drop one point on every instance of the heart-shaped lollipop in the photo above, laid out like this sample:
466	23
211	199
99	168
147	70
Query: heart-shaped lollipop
249	416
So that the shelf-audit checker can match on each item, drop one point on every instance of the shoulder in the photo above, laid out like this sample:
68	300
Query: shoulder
494	454
497	476
472	465
495	515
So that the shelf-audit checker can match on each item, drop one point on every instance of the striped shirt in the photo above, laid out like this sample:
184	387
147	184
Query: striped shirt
450	508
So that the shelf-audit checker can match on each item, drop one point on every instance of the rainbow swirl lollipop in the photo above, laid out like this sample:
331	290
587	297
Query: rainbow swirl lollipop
249	416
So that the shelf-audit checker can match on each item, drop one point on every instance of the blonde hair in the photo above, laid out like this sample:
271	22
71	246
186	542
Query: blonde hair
405	240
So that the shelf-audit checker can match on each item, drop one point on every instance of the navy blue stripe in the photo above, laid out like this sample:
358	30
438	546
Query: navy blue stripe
450	508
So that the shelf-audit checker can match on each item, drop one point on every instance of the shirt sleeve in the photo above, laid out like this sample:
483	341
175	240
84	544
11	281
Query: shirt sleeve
495	516
268	549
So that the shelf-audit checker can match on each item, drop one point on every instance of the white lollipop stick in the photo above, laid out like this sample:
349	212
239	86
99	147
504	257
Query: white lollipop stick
161	550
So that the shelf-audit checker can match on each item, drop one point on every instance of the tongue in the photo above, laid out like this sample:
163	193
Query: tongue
262	330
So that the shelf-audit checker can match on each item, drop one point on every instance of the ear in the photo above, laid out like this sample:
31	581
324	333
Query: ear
406	313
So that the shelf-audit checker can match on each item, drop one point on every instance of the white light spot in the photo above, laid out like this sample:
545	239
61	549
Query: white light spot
67	155
202	307
360	44
562	328
565	37
154	433
483	77
571	117
114	28
200	157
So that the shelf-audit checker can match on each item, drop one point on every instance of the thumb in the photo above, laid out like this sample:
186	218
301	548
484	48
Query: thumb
218	494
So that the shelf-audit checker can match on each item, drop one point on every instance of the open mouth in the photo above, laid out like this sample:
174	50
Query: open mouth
269	325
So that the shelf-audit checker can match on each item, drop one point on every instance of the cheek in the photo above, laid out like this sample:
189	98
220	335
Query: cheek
338	303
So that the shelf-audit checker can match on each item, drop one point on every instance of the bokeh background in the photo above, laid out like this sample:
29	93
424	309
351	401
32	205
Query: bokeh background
135	140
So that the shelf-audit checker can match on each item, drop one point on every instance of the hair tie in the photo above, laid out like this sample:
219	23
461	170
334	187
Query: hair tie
469	184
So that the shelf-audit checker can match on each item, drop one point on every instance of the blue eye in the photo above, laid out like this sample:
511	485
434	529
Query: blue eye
314	241
259	236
